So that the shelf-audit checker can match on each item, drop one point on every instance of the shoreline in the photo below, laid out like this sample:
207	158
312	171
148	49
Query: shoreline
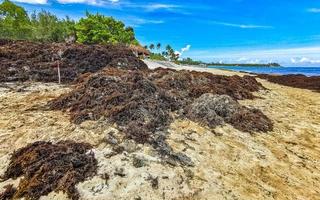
166	64
296	81
270	70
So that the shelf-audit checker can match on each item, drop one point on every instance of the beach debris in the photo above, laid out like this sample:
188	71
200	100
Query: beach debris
143	103
298	81
24	61
154	181
8	193
251	120
105	177
129	99
119	172
129	146
138	162
140	102
193	84
48	167
213	110
110	139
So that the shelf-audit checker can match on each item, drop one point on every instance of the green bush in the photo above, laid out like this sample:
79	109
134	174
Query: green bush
47	27
101	29
157	56
14	21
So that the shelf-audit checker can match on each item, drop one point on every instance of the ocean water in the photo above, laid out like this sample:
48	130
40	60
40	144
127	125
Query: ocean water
308	71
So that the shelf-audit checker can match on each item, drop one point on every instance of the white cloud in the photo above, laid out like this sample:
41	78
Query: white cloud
242	59
183	50
254	61
243	26
187	48
246	60
136	21
305	60
90	2
140	21
33	1
159	6
122	4
314	10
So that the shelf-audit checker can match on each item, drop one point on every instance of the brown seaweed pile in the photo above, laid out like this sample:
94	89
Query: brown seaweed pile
194	84
24	61
213	110
8	193
128	98
48	167
144	102
298	81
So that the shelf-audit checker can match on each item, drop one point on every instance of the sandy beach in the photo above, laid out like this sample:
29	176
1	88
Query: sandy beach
229	164
165	64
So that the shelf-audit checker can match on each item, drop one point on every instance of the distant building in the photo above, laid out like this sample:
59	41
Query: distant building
139	51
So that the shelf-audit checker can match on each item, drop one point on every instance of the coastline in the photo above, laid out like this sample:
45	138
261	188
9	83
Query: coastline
297	81
166	64
307	71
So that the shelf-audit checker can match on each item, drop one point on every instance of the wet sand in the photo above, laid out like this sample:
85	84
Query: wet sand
229	164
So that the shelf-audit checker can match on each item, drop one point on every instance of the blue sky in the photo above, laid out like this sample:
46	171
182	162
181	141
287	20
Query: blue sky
246	31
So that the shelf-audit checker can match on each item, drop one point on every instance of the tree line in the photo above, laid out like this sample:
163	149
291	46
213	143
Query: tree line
43	26
16	24
167	54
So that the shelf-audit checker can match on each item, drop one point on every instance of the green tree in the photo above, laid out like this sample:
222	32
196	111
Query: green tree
47	27
101	29
168	48
151	46
14	21
189	61
170	53
43	26
164	53
158	46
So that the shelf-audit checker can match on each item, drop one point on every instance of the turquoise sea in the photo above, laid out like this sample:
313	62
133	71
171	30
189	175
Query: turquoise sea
308	71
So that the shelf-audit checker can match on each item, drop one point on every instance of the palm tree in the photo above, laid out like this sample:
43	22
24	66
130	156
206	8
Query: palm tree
168	48
170	53
158	46
151	47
